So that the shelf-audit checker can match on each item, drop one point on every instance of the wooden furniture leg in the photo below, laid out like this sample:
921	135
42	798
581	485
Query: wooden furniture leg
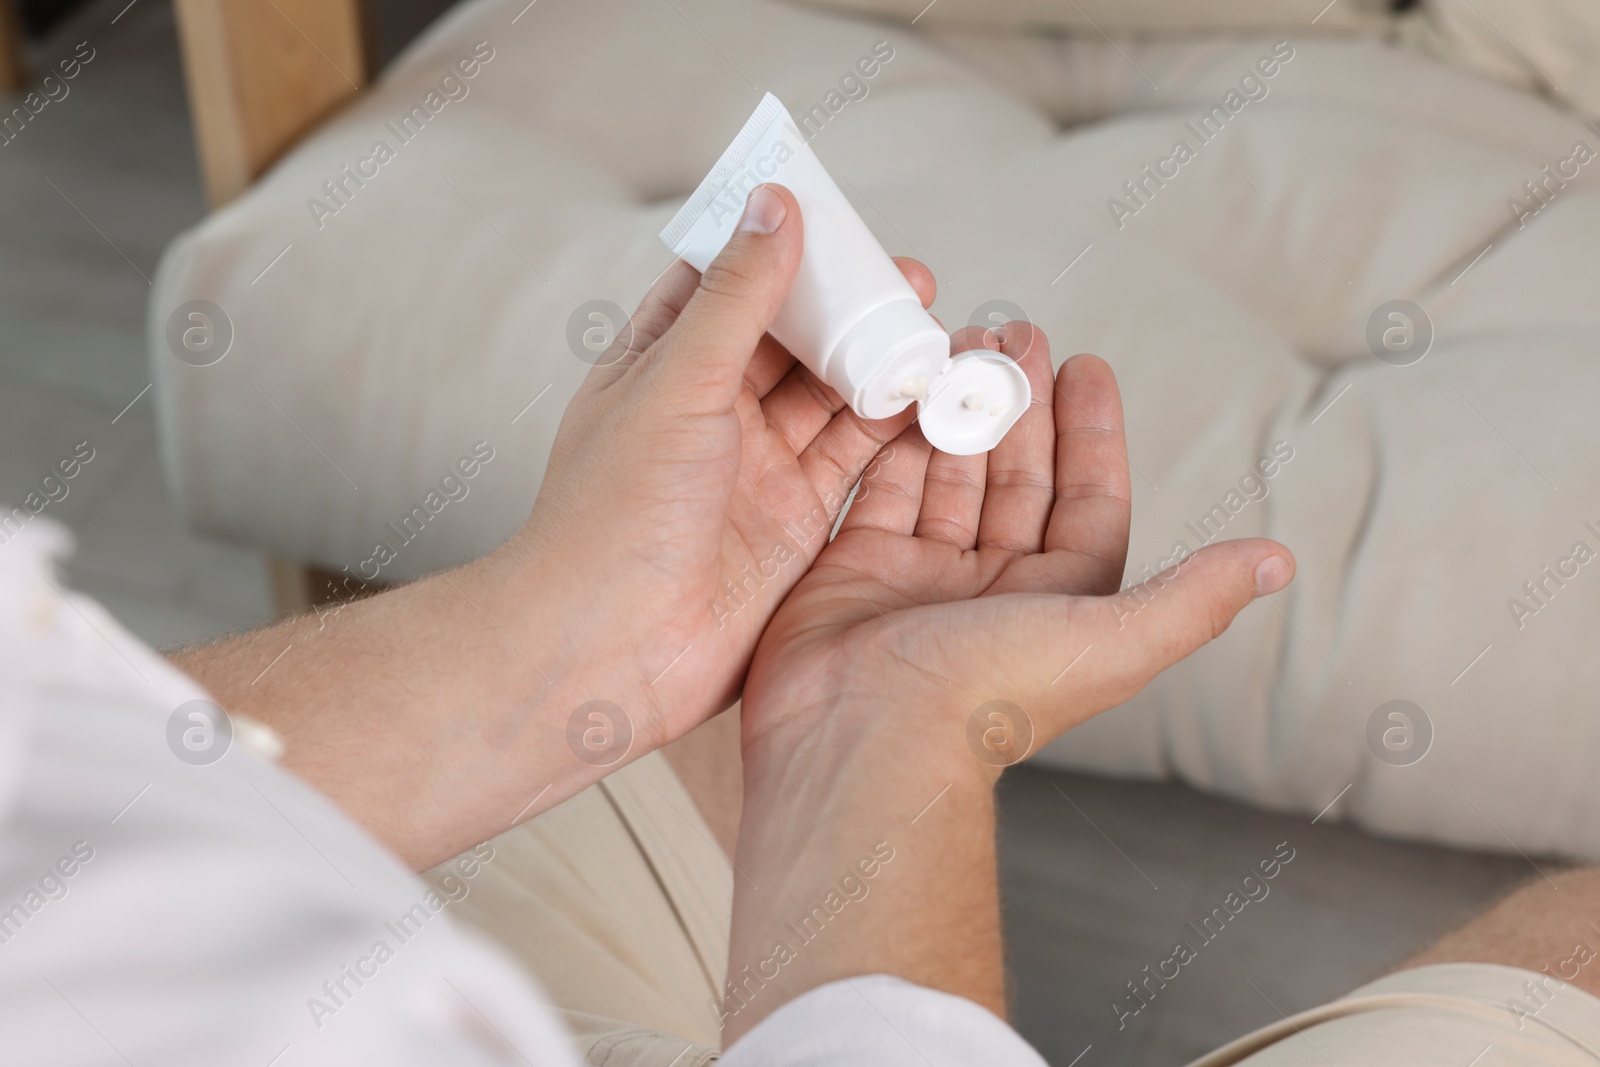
298	587
291	586
261	73
13	65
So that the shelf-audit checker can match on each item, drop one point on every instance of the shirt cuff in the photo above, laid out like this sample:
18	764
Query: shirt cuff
881	1021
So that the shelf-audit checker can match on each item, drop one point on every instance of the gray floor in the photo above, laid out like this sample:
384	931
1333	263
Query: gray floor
1100	877
93	189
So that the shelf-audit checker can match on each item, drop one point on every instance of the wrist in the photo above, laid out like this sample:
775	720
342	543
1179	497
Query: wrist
598	639
854	707
853	809
565	647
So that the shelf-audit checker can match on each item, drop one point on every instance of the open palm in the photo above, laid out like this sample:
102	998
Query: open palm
956	581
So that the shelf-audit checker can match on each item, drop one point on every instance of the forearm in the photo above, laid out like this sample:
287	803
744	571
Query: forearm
1547	925
433	713
865	848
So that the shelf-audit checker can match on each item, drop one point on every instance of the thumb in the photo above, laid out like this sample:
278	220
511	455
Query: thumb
703	356
1147	628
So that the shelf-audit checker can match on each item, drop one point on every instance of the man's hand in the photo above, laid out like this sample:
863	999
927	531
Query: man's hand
692	482
870	714
695	478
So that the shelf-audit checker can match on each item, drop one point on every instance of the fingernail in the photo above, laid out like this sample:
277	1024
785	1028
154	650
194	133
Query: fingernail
1272	574
764	211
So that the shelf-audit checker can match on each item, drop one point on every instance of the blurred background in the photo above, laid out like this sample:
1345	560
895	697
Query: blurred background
93	195
365	321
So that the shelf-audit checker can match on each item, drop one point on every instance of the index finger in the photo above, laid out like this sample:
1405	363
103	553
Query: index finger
659	309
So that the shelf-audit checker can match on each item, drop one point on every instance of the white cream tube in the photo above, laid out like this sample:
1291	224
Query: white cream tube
851	317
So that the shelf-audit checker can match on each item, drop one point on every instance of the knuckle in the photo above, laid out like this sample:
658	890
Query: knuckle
1219	612
958	478
729	275
819	392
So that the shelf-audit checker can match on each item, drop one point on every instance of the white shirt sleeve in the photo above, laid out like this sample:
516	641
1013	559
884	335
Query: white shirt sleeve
880	1021
168	896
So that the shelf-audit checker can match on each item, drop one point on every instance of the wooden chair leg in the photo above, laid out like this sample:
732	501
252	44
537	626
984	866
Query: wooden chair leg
13	65
261	73
298	587
291	586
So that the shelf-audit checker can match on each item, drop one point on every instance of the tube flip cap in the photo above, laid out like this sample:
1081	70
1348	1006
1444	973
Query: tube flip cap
974	403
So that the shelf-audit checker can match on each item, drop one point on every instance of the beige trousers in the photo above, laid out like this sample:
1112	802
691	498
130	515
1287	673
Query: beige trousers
619	900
